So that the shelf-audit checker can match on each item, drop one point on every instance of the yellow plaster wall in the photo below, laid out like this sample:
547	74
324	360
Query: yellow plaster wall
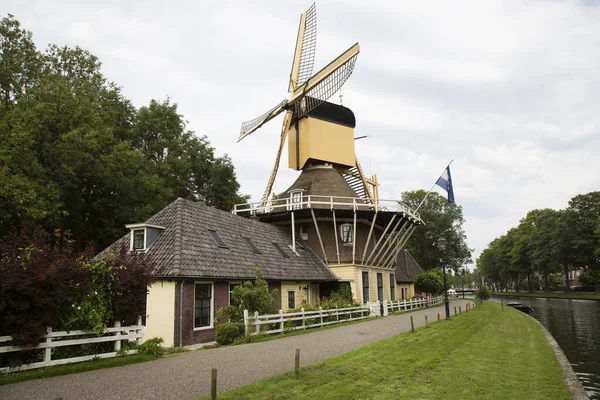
300	295
160	306
349	273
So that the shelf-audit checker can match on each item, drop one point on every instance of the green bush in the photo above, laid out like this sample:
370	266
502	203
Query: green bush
483	293
431	281
228	332
152	347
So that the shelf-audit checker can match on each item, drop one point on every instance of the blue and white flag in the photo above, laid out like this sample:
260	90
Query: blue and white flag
445	182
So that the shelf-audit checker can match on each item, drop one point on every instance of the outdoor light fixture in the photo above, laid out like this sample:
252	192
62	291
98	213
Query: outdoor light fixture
441	243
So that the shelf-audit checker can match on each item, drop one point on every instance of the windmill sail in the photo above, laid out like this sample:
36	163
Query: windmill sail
250	126
306	45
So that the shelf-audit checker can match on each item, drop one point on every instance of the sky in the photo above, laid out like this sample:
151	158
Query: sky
509	90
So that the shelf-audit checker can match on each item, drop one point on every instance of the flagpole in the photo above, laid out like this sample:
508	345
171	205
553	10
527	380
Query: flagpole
427	195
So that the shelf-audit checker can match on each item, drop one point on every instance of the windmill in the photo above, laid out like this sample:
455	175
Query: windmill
308	94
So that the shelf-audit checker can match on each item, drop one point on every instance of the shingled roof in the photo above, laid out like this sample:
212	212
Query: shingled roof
407	268
186	248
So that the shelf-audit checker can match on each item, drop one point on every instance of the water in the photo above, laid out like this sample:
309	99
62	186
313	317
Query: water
575	324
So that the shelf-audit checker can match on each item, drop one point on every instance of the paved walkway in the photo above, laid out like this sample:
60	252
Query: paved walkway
187	376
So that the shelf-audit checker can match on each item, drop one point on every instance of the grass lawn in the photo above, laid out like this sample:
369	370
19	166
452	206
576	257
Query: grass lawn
558	295
485	353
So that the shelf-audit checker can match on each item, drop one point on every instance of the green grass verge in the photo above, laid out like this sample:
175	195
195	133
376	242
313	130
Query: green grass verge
558	295
14	377
485	353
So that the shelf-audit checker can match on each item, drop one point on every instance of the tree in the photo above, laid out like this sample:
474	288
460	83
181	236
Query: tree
441	220
585	216
430	282
252	296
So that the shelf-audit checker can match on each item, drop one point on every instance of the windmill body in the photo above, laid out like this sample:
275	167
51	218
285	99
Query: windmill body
332	208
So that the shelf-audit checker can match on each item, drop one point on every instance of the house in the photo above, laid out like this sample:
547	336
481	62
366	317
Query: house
205	253
407	269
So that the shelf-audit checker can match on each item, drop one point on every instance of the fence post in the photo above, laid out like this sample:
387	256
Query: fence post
303	318
117	336
138	340
502	303
455	311
48	350
438	317
297	364
256	325
321	314
337	314
385	308
426	321
213	384
246	330
281	320
412	324
459	309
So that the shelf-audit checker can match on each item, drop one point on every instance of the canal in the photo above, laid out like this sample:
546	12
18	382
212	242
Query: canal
575	324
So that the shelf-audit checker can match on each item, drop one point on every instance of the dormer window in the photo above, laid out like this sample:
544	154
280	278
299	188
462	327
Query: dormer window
295	200
139	242
143	236
346	234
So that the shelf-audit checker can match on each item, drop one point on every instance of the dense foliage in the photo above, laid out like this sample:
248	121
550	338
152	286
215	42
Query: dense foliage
431	282
547	243
252	296
441	220
77	156
46	283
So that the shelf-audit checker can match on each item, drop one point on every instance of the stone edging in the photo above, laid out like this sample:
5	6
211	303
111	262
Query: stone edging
568	374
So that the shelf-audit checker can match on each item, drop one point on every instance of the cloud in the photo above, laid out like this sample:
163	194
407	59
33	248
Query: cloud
508	89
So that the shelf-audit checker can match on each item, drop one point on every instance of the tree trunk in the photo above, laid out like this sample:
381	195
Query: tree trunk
567	283
529	284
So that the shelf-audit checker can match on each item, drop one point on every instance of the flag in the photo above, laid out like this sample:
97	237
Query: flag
445	182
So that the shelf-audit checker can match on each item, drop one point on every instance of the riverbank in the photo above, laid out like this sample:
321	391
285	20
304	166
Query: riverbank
483	353
552	295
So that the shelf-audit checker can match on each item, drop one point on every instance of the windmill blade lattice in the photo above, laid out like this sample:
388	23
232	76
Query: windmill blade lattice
325	89
309	46
250	126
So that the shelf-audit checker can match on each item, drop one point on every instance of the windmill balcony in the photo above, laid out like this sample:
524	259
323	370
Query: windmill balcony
324	203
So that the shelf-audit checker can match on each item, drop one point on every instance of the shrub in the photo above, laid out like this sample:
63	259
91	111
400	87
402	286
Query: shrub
251	296
430	282
152	347
228	332
483	293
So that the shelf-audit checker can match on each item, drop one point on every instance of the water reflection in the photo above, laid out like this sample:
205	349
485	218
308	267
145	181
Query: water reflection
575	324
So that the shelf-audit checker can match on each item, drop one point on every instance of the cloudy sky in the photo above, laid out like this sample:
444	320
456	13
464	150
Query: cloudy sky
508	89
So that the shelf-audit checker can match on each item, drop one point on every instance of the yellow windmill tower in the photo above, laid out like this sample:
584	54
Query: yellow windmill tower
318	131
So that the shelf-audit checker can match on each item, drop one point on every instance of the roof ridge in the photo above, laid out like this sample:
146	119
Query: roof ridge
177	236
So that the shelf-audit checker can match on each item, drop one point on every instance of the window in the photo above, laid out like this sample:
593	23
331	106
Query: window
291	299
283	254
392	287
252	246
380	286
365	284
304	232
402	291
139	239
346	234
295	200
217	239
203	305
231	287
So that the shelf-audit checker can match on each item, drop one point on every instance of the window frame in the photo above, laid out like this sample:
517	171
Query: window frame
392	287
233	285
365	294
380	296
133	240
291	298
211	306
295	199
349	240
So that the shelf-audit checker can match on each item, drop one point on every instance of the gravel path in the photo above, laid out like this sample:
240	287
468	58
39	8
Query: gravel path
187	376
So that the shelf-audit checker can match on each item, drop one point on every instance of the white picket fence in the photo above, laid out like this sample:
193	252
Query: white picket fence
53	340
278	323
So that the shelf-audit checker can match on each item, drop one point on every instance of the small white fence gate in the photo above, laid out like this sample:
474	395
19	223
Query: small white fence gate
53	340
